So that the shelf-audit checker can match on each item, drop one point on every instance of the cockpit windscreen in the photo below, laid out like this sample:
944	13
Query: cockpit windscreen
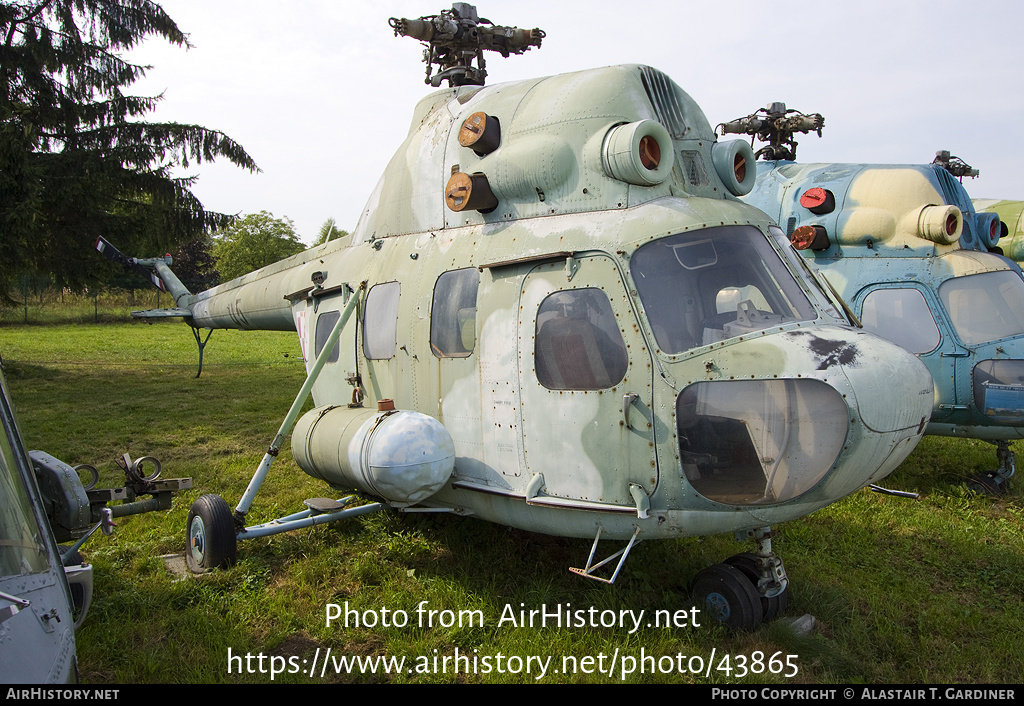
713	284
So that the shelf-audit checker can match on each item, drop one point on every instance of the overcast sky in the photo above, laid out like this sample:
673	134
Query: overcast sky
320	92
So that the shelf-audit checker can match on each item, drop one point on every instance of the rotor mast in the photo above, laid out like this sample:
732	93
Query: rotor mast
456	38
777	126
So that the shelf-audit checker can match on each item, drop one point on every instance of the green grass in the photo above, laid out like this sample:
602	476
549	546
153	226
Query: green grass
903	591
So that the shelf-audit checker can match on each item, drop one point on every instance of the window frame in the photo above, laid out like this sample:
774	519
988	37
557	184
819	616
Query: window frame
380	321
451	289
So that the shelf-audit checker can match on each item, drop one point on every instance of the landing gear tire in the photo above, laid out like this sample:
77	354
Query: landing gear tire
211	535
988	483
728	596
771	608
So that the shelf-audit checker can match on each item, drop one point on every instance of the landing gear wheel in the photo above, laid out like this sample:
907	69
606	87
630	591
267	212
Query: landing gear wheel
771	608
728	596
988	483
211	535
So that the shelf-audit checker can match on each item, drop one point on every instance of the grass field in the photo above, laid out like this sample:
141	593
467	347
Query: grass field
903	591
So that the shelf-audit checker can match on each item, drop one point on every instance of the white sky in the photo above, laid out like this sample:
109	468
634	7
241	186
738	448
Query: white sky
320	92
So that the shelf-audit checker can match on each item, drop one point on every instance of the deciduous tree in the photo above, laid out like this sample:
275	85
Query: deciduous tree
252	242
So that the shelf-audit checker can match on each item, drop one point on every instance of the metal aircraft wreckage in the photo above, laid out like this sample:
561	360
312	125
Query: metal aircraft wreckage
904	246
555	314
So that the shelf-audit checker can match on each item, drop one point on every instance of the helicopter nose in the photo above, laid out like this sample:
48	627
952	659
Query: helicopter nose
817	437
894	390
892	393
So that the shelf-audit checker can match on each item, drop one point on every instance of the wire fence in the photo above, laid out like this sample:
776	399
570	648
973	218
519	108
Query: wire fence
52	305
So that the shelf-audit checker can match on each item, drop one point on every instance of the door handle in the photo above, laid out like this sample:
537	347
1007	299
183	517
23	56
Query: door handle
627	401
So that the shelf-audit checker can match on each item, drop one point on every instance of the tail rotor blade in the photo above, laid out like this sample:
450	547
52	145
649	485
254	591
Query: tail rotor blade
129	263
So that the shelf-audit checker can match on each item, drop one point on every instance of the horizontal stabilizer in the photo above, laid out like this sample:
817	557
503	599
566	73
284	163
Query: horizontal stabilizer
161	313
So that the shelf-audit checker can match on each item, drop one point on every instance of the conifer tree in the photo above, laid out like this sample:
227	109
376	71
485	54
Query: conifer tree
77	158
194	264
328	232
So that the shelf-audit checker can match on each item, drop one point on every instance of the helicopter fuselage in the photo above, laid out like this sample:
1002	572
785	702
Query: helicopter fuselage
1010	214
611	341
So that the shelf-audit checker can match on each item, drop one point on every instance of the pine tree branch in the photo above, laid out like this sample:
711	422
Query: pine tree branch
27	18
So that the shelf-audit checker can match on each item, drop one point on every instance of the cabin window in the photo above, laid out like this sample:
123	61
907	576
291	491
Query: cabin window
714	284
453	314
903	317
578	345
999	390
985	307
324	325
380	321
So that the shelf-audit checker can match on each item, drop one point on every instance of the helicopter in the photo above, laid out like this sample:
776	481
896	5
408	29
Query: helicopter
555	314
1011	242
903	245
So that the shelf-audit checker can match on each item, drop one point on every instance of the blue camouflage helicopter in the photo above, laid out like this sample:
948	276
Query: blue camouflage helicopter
904	247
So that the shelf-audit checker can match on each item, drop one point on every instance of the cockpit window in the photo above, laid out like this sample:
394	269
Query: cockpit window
752	442
985	307
704	287
22	547
903	317
578	345
817	291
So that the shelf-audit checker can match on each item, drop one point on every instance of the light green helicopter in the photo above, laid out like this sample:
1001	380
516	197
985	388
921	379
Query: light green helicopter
555	314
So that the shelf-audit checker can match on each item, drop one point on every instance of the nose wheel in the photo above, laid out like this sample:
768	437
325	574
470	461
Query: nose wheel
995	482
728	597
211	535
747	588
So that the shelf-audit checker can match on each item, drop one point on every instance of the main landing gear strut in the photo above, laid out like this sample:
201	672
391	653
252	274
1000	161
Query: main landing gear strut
214	530
998	481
